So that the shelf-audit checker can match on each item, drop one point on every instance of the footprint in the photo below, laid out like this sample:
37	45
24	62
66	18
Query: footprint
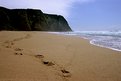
8	46
27	36
12	43
18	53
65	73
17	39
39	56
18	49
48	63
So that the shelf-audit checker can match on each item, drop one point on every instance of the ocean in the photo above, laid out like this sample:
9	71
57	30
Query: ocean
106	39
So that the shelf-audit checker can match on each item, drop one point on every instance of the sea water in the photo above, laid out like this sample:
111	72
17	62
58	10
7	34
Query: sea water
107	39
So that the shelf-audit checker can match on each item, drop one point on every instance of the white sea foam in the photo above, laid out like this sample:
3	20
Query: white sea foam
107	39
91	42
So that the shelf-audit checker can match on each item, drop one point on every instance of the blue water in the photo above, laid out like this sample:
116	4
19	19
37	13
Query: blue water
107	39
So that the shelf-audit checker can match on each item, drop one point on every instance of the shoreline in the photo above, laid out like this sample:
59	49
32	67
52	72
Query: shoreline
90	41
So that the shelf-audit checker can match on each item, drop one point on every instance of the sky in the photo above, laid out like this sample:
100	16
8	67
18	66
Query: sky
82	15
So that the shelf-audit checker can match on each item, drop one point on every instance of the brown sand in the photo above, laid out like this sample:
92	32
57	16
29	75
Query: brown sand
39	56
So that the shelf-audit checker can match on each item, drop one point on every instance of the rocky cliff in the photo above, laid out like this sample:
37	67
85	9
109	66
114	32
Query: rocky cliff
31	20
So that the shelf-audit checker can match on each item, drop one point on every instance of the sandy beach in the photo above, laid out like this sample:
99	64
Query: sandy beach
41	56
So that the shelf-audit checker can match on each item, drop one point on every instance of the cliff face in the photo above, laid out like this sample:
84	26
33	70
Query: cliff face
31	20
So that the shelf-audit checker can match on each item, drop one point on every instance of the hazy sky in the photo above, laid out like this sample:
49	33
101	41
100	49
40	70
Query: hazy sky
81	14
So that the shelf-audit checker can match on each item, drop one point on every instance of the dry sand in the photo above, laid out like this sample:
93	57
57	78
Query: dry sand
40	56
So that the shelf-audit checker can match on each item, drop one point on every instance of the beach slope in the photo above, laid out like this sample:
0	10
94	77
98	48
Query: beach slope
40	56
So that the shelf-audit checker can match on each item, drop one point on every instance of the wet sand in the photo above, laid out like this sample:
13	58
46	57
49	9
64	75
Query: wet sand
40	56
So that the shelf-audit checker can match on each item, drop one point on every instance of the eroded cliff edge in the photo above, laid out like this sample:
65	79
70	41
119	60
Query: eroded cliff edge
31	20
